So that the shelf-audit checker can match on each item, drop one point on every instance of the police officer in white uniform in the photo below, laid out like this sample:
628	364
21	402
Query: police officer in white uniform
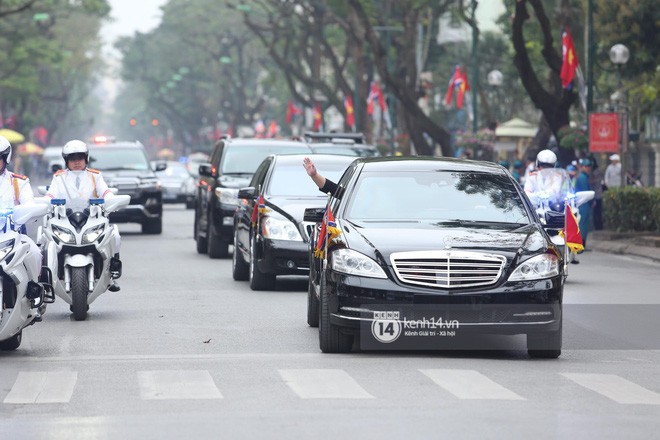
554	182
15	190
77	183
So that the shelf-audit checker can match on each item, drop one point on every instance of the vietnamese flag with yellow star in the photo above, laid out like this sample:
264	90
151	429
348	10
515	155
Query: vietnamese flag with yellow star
350	111
569	61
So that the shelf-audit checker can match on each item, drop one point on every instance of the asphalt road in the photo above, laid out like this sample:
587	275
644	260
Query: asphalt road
183	351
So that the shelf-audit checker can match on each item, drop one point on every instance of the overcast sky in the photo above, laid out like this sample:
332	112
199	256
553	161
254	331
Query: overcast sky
130	16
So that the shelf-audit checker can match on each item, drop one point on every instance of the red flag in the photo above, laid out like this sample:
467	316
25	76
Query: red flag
318	117
272	129
463	87
569	59
259	208
459	83
291	111
571	232
328	233
350	111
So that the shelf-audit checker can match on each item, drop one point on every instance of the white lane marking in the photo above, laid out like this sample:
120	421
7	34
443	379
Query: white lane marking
323	384
616	388
177	384
42	387
470	384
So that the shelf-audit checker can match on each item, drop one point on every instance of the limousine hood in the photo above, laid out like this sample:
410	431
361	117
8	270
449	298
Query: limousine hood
385	238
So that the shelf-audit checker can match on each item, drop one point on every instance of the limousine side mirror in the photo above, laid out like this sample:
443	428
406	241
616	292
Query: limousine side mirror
206	170
55	167
249	193
313	215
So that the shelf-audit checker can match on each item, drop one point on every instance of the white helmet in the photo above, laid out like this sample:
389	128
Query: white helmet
73	147
546	159
5	149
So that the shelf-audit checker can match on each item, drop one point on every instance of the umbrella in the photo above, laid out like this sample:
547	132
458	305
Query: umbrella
12	136
29	148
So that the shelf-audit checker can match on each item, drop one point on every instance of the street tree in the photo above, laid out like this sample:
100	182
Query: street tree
46	71
547	95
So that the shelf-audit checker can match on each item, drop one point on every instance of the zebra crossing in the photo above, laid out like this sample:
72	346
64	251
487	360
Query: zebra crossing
43	387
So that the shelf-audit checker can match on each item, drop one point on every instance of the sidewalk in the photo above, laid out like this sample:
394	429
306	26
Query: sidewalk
644	245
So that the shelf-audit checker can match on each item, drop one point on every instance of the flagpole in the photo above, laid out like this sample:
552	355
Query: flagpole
475	69
325	245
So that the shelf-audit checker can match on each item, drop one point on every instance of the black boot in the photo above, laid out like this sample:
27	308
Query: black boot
114	286
115	267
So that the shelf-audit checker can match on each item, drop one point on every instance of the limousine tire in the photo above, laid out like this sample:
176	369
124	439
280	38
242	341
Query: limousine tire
545	345
258	279
331	340
312	306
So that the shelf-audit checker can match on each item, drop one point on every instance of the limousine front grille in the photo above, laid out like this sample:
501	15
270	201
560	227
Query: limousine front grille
447	269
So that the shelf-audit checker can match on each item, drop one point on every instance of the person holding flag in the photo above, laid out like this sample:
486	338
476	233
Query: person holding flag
459	83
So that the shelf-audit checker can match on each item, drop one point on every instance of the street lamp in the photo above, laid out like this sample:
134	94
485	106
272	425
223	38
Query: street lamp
619	55
495	79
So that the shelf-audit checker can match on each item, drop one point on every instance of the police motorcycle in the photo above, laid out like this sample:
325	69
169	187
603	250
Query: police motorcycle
78	243
551	209
24	286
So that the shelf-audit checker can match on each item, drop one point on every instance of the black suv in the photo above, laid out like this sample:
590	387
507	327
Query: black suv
232	164
125	166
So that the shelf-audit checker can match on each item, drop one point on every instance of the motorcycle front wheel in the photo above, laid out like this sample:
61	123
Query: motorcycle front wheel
79	291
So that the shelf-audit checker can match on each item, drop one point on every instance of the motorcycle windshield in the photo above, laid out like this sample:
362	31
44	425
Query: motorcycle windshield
77	205
4	222
554	184
6	210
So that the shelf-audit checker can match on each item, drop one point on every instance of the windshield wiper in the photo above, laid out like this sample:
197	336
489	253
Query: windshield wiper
487	223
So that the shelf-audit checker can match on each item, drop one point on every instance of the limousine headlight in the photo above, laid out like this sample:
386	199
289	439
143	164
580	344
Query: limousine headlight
354	263
278	229
537	268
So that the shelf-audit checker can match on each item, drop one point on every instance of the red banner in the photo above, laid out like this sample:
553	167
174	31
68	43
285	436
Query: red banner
604	132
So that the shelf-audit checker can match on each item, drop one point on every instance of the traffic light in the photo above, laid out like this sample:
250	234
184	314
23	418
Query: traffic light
154	122
133	122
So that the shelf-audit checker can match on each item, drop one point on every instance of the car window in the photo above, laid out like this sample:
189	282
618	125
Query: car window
335	150
106	159
174	170
437	195
217	153
244	159
260	174
292	179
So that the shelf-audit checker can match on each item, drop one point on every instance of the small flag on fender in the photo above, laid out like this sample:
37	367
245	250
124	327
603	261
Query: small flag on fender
329	232
571	232
259	209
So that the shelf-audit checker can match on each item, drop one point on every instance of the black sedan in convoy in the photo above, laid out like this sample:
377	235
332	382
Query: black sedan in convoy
275	241
433	249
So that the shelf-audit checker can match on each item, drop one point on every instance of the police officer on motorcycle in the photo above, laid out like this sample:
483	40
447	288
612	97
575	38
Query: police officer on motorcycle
78	183
15	190
547	180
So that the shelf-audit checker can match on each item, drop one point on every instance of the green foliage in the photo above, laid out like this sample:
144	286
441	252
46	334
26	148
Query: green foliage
481	144
632	209
633	23
573	138
48	60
